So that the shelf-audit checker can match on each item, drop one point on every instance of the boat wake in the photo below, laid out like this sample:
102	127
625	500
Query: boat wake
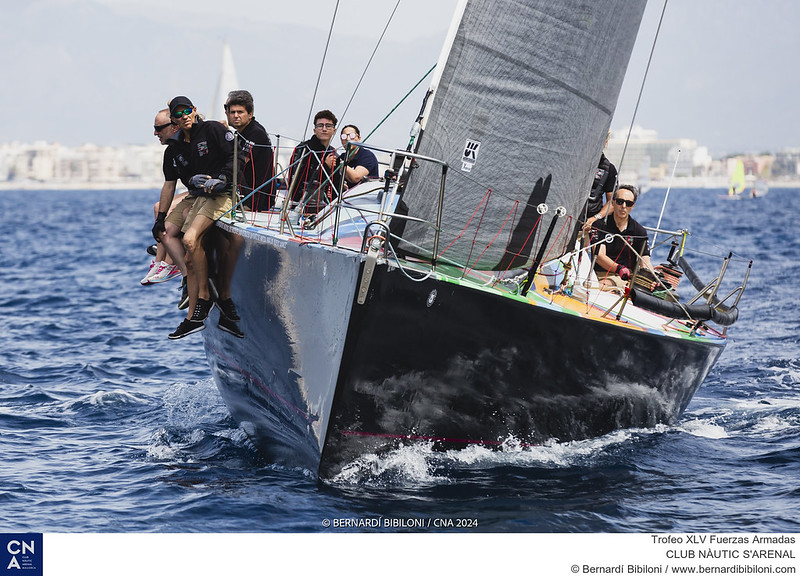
421	464
196	427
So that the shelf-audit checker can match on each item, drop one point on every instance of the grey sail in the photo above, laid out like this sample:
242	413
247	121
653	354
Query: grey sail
519	114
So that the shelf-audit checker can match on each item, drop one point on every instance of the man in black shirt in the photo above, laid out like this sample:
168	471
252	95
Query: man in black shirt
616	260
313	161
359	163
205	156
256	149
164	266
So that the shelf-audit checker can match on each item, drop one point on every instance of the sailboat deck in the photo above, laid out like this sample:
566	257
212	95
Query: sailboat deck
591	303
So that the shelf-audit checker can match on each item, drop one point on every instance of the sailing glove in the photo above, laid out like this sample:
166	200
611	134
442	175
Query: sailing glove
215	186
623	272
159	227
196	184
204	185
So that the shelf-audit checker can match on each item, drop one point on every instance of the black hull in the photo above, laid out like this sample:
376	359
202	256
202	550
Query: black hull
319	380
439	362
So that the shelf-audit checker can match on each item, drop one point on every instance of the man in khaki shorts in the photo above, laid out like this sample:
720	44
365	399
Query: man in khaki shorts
206	153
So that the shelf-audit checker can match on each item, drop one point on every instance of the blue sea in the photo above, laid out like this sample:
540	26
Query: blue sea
107	426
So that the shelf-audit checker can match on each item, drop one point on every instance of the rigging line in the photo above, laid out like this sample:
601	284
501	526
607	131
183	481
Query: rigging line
321	66
641	88
401	101
364	73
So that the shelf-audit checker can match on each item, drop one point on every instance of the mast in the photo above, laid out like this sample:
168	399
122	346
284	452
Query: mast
419	127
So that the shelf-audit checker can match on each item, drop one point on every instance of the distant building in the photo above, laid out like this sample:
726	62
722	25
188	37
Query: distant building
51	165
648	157
786	165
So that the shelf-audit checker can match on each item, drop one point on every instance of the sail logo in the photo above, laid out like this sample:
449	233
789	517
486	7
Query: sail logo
21	554
470	156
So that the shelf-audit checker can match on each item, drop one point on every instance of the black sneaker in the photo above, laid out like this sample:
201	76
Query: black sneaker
185	328
229	326
201	310
183	303
228	309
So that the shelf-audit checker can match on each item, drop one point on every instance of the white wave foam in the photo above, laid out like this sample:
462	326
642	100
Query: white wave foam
191	404
703	429
775	426
407	463
419	463
106	398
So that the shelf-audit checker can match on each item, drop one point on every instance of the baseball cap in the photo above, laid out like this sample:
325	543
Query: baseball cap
179	103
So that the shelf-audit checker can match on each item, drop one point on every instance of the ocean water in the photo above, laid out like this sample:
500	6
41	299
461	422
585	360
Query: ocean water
107	426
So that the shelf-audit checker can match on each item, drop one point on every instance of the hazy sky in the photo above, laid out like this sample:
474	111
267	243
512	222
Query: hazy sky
76	71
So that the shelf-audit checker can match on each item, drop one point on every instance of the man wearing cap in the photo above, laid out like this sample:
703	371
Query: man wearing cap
205	152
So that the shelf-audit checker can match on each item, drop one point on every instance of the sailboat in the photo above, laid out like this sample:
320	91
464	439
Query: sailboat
738	183
227	82
746	186
447	303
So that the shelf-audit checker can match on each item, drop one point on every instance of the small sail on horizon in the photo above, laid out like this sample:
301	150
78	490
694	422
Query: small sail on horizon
738	183
520	117
227	81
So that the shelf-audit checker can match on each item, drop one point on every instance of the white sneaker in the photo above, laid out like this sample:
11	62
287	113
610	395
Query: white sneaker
153	268
164	272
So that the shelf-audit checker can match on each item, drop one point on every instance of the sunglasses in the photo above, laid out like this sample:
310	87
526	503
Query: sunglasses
180	113
321	126
348	136
621	202
160	127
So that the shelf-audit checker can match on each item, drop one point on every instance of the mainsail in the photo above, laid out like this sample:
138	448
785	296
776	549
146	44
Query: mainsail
522	104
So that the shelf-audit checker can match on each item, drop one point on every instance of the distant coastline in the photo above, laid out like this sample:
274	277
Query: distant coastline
715	184
78	185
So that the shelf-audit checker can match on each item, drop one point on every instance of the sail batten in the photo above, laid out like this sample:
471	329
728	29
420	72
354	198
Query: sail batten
526	95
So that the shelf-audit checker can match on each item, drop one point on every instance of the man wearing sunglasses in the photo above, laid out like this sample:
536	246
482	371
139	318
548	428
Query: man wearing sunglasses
162	267
205	152
616	260
359	163
312	165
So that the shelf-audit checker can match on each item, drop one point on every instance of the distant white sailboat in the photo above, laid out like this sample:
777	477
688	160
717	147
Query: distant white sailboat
227	82
760	188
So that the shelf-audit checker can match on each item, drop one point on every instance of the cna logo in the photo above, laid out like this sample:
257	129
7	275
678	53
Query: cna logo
21	554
